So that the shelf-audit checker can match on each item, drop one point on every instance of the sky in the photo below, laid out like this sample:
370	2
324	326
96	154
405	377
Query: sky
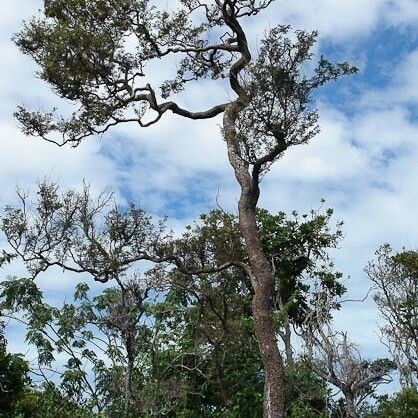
364	163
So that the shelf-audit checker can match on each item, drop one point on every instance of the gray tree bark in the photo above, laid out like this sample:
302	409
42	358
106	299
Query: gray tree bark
262	278
350	405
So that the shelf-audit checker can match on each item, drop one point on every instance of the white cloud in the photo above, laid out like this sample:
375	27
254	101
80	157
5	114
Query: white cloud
25	161
403	89
402	12
333	18
338	20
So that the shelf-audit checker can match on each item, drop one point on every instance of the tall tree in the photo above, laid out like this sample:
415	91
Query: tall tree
395	276
85	51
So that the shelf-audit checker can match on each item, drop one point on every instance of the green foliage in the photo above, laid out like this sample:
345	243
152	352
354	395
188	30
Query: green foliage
48	402
220	371
96	53
85	333
13	378
305	393
13	368
401	405
190	344
297	245
281	84
298	248
83	50
210	315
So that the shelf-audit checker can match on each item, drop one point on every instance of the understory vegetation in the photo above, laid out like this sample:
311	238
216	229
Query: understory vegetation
176	338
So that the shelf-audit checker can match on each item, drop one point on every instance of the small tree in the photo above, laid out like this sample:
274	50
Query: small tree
337	360
396	283
104	343
84	49
13	368
13	377
84	235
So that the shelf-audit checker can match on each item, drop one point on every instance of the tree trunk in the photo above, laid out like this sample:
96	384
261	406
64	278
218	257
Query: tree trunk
265	331
351	409
262	305
128	387
287	340
128	392
261	272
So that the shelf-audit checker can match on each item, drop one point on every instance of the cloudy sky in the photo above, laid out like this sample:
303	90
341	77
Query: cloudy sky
364	162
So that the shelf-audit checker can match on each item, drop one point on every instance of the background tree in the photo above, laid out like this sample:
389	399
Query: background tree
13	368
403	404
211	314
214	365
19	397
298	249
82	49
104	343
47	401
304	273
338	361
395	276
211	373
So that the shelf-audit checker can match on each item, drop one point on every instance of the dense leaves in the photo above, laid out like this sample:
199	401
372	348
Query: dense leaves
98	54
403	404
13	378
185	348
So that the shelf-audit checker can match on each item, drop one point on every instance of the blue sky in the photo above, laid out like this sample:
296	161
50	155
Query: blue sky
364	162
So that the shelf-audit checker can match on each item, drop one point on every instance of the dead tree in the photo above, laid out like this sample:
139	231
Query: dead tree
396	294
338	360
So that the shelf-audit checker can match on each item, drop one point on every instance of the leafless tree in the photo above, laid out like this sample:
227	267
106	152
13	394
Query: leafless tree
338	360
396	294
